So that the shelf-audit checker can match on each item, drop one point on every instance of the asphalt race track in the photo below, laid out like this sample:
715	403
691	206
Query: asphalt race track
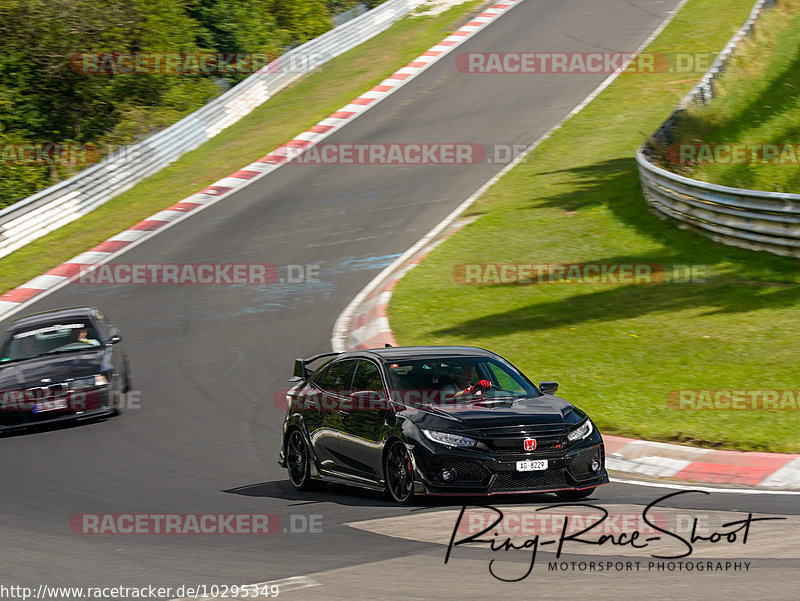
208	360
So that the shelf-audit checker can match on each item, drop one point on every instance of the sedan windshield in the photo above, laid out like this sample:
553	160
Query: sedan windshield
482	377
50	338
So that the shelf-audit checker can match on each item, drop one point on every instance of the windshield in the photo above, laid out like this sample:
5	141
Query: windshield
477	377
50	338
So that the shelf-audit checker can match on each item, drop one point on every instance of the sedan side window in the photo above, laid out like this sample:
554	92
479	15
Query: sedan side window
337	377
102	324
368	377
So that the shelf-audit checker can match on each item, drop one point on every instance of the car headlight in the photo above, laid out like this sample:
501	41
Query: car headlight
582	432
451	440
90	382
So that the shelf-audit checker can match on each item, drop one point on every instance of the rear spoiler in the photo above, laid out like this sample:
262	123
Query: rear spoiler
301	371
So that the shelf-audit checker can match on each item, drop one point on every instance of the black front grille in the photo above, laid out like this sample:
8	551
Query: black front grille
546	479
17	406
516	446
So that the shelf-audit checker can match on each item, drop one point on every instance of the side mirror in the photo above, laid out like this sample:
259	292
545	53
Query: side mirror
115	338
548	387
299	370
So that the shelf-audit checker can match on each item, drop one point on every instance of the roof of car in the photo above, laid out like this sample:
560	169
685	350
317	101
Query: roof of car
66	313
400	353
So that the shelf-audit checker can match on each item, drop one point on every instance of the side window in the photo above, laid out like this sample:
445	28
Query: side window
337	377
4	350
318	377
107	327
88	335
368	377
102	325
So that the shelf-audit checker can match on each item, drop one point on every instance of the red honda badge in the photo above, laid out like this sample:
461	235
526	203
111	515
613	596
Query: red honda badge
529	444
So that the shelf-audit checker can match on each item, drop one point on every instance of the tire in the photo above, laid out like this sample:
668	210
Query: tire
575	495
127	387
118	397
124	391
298	463
117	407
399	473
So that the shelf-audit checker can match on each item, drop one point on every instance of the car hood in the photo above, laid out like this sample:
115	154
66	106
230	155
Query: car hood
31	372
538	411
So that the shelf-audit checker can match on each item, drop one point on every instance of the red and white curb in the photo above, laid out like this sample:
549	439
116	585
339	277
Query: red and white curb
688	464
14	300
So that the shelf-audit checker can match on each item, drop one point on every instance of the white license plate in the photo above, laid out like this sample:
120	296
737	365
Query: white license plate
531	465
53	405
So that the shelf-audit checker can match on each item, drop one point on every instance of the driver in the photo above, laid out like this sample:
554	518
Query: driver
463	382
86	338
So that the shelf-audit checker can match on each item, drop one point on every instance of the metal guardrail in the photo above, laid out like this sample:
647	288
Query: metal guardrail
764	221
747	218
50	209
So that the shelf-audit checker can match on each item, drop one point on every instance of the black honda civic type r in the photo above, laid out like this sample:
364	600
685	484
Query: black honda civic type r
433	420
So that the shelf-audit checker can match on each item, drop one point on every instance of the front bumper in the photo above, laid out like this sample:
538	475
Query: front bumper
479	473
95	402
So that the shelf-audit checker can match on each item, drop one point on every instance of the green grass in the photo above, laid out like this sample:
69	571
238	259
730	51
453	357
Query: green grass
758	103
618	350
281	118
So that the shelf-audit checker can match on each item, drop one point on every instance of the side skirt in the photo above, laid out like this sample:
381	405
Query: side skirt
338	478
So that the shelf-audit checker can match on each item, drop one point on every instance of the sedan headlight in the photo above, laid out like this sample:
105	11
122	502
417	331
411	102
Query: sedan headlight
451	440
581	432
90	382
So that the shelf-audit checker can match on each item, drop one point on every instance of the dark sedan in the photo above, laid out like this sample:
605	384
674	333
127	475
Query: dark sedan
61	365
435	421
